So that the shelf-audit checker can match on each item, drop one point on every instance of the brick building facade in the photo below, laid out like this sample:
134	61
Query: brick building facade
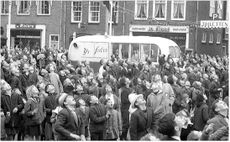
175	19
33	23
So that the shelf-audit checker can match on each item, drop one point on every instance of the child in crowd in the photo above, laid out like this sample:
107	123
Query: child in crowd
113	125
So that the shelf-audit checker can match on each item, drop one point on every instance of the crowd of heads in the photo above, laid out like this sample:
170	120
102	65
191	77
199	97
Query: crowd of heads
190	78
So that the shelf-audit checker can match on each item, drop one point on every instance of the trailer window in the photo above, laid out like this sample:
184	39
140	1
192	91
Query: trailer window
115	49
174	51
125	51
154	52
135	52
145	51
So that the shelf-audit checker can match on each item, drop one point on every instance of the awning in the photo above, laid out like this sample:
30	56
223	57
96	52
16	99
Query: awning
213	24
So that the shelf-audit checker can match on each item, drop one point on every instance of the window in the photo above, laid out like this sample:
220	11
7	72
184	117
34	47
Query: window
211	37
216	6
160	9
178	9
94	12
115	12
43	7
204	37
4	7
145	51
23	7
141	9
76	14
154	52
135	52
174	51
54	41
124	51
218	38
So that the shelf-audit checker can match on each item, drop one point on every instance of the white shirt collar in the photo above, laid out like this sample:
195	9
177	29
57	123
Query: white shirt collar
176	138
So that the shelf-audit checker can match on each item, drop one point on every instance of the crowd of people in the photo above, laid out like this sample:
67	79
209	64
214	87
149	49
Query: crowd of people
45	97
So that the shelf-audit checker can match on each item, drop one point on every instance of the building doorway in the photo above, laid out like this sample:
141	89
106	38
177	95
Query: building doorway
30	39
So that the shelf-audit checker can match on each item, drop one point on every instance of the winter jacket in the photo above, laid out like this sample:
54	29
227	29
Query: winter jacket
200	117
33	117
113	125
49	104
97	114
66	124
8	103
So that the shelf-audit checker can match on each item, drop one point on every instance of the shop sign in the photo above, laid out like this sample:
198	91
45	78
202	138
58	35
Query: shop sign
179	29
214	24
25	26
94	51
163	29
139	28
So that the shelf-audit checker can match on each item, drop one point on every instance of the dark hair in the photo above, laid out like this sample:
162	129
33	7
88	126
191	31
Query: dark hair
166	125
170	79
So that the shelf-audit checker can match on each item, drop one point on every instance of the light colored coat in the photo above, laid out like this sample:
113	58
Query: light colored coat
55	80
113	125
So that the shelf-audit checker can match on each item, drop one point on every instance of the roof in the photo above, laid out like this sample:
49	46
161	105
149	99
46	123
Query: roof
125	39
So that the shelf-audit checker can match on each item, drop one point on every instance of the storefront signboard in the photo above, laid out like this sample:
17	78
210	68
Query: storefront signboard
157	28
214	24
25	26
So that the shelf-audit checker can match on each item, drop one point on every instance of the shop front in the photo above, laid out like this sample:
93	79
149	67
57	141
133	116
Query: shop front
26	35
179	34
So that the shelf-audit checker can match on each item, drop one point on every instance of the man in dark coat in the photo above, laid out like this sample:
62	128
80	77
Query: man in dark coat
15	82
33	77
123	95
98	117
12	105
200	114
49	105
69	124
214	89
24	77
172	80
143	120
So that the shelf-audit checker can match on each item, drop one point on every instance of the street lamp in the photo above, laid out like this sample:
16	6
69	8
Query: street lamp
111	17
8	27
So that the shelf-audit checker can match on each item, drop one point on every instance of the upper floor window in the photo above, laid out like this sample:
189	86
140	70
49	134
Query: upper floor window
43	7
204	37
141	9
76	14
115	12
211	37
160	9
23	7
4	5
94	12
178	9
218	38
216	7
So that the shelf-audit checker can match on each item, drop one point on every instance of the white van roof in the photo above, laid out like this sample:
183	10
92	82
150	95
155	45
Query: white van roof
125	39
